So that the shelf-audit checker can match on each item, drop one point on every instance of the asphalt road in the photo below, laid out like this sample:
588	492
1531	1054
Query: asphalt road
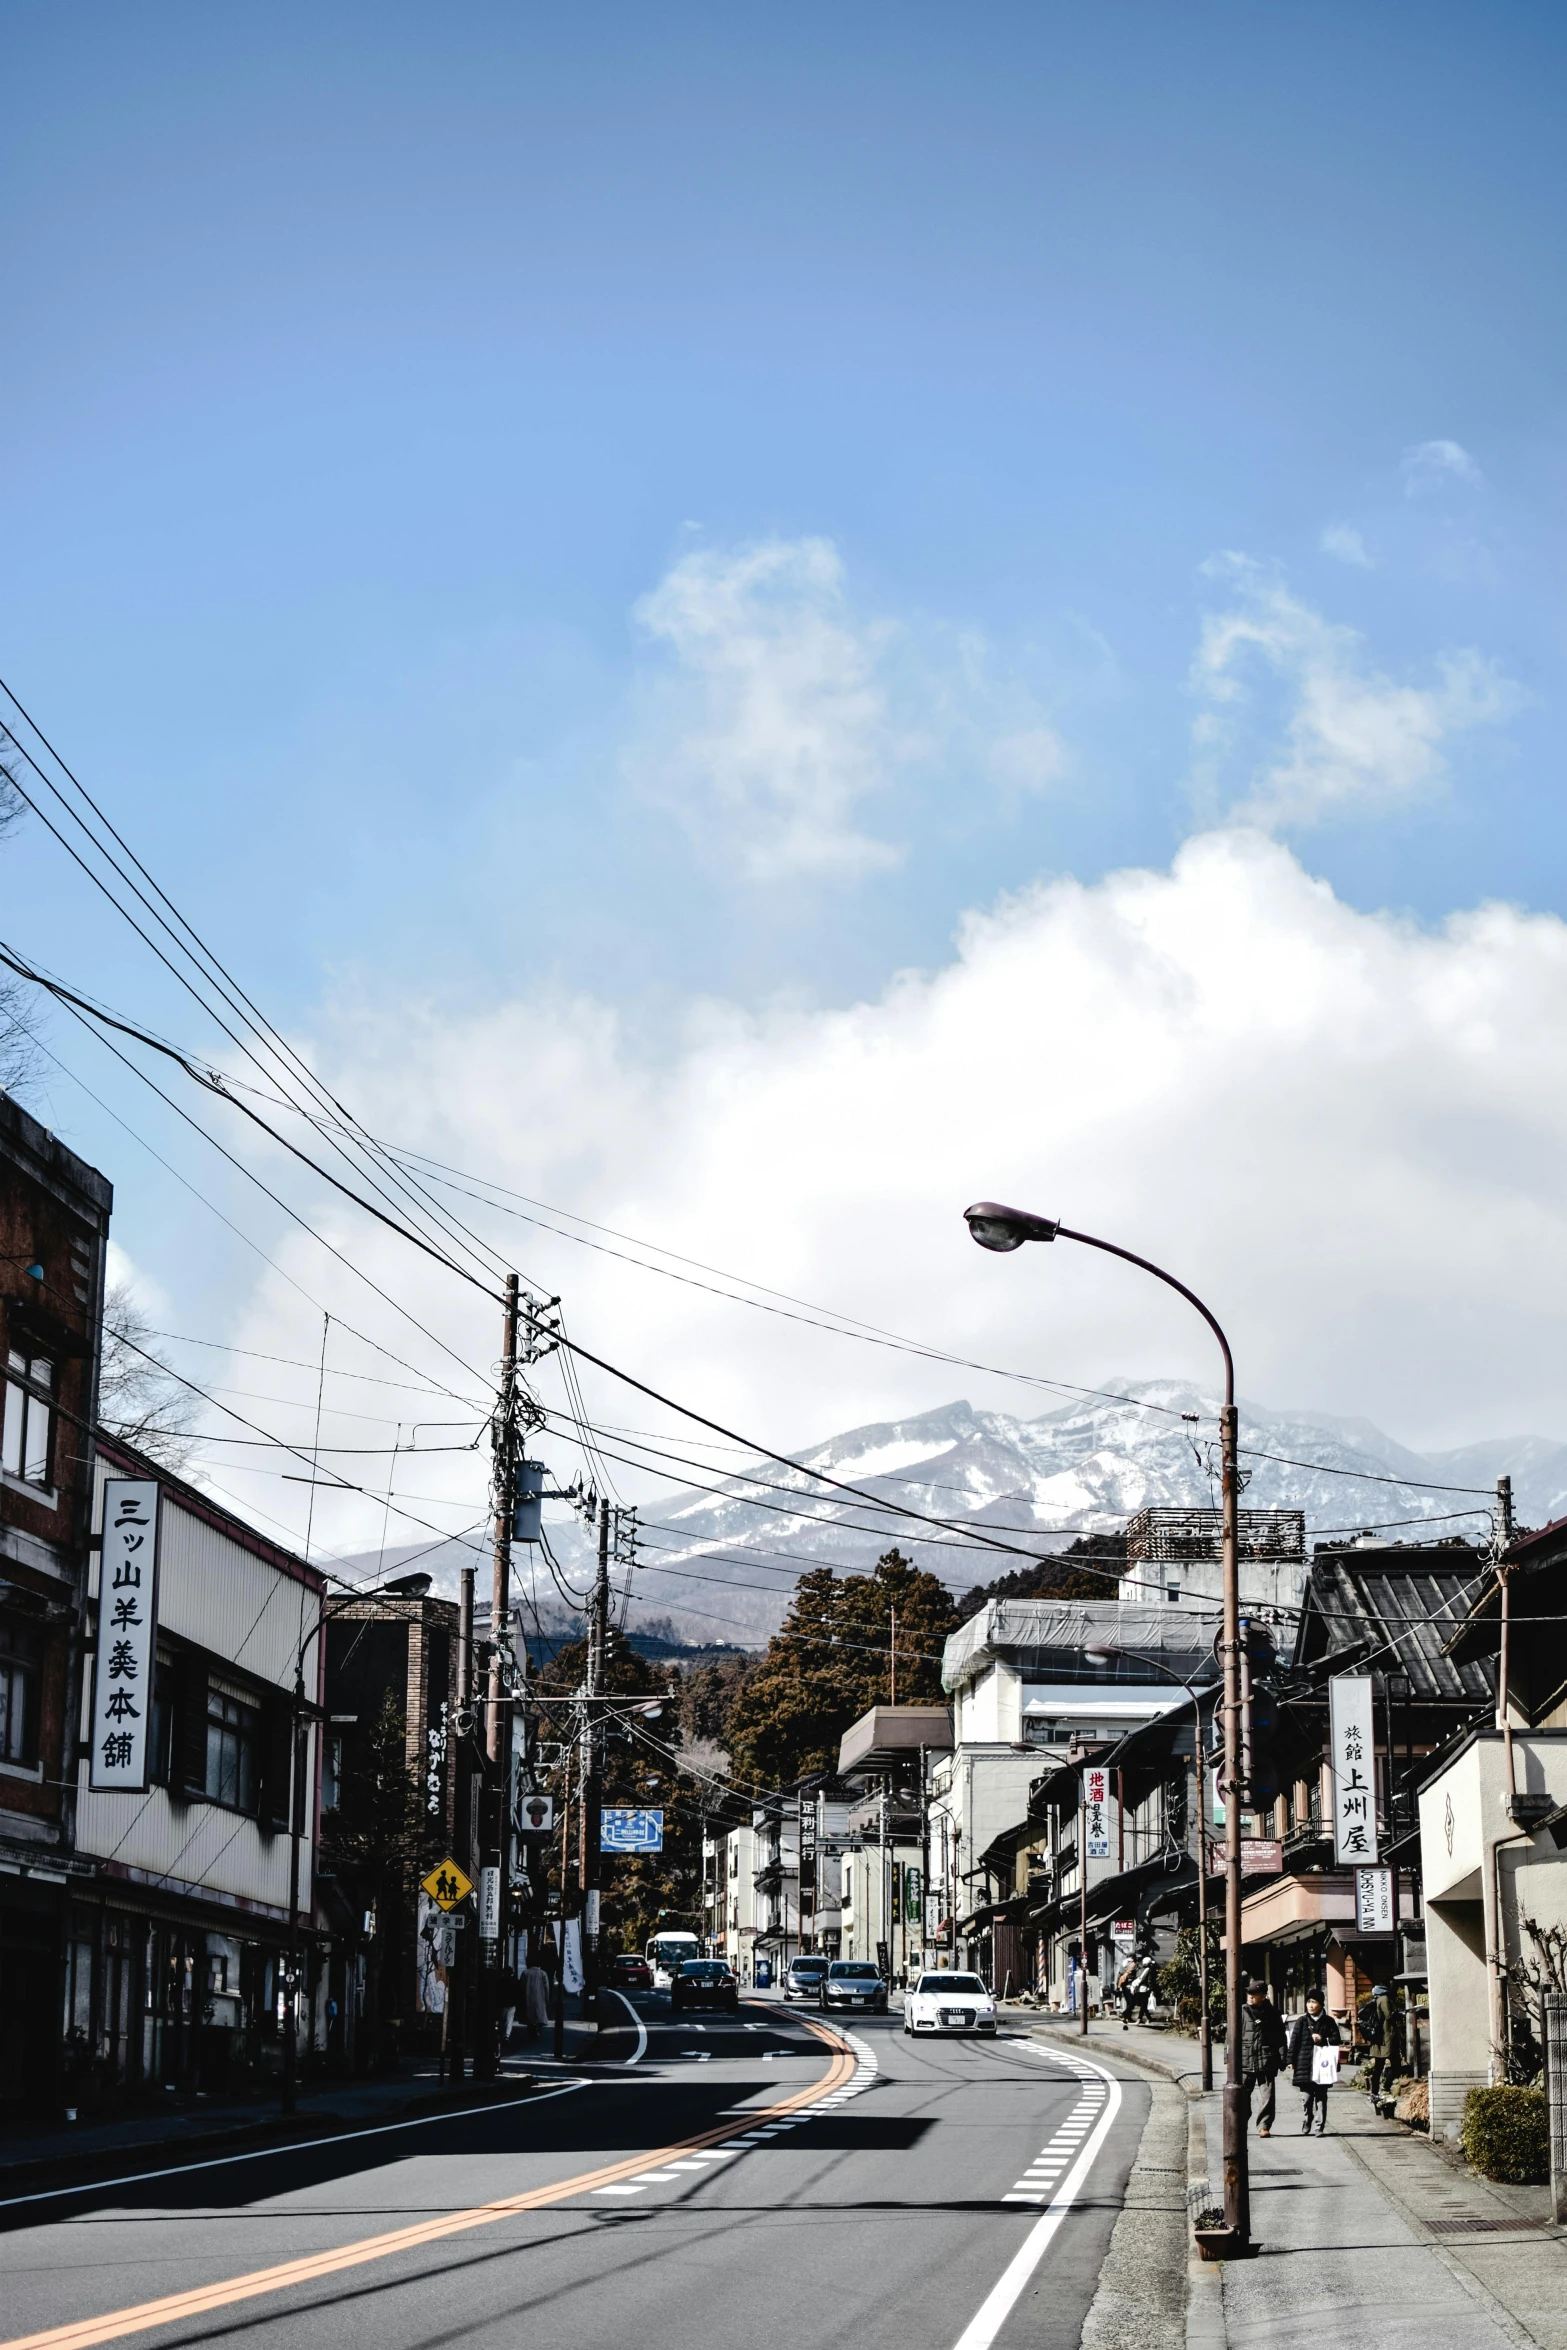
700	2182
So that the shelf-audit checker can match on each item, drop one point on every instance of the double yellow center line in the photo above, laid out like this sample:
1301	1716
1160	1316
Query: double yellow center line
174	2308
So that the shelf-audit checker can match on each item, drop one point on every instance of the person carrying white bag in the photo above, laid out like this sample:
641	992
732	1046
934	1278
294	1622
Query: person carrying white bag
1315	2044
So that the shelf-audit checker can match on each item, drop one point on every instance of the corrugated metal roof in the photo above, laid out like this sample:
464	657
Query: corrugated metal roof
1409	1602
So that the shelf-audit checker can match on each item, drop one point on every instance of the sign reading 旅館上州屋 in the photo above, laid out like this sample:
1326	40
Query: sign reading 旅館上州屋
1352	1740
127	1634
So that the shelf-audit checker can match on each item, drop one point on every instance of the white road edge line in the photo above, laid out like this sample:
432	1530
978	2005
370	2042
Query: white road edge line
640	2049
992	2314
180	2170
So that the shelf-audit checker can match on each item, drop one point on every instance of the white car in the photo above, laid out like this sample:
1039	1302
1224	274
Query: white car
948	2002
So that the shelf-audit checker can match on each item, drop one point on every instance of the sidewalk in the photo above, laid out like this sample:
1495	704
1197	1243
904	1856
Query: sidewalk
1370	2234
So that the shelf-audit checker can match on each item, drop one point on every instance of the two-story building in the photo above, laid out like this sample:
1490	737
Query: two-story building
1493	1825
54	1223
195	1793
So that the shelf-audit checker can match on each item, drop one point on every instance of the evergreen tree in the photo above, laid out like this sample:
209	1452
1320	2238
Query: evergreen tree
832	1660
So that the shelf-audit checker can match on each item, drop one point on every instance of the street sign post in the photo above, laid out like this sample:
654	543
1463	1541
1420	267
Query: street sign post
446	1885
622	1829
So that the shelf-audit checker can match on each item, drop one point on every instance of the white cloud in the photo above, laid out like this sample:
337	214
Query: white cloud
1347	1133
1434	465
780	716
1346	546
1354	740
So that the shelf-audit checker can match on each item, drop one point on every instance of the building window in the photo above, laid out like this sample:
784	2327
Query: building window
21	1656
160	1754
26	1442
233	1734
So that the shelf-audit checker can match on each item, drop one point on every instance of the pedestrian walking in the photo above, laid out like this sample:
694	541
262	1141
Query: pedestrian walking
1313	2031
535	2000
1135	1985
1263	2050
1374	2022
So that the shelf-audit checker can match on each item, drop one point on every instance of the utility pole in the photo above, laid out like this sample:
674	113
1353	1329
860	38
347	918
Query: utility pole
460	1990
1237	1740
1082	1903
295	1805
494	1809
592	1770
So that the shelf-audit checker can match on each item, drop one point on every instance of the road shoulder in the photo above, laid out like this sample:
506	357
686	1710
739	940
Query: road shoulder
1141	2300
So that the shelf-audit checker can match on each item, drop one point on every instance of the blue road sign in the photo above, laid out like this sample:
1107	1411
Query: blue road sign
631	1831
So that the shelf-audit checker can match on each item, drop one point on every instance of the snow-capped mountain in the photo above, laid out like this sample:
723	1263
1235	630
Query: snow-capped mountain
720	1563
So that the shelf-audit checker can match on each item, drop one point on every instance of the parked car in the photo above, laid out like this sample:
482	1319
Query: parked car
853	1982
703	1982
805	1978
631	1972
949	2002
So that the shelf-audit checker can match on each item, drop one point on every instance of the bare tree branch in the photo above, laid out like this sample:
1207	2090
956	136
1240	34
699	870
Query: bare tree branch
139	1400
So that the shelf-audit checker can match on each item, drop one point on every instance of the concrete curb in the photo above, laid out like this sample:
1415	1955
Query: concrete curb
1204	2278
1105	2047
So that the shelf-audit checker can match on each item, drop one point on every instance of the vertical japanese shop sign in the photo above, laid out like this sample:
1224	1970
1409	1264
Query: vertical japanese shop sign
1354	1769
127	1636
1096	1813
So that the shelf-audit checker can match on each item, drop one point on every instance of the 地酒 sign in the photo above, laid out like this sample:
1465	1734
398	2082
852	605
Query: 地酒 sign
624	1830
1352	1756
127	1632
1096	1813
446	1885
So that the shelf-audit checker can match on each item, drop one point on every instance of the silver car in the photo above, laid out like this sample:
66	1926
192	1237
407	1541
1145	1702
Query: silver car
854	1982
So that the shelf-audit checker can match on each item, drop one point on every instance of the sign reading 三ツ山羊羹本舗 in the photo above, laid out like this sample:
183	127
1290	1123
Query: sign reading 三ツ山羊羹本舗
1352	1755
127	1636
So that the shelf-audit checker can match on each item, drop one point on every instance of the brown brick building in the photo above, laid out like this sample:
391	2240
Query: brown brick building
54	1224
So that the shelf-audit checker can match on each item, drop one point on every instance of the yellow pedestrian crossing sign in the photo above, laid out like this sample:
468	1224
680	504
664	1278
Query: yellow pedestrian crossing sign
446	1885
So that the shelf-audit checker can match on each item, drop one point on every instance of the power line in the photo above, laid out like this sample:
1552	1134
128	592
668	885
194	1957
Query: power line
209	968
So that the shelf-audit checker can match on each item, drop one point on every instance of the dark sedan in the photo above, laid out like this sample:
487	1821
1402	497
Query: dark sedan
704	1982
854	1982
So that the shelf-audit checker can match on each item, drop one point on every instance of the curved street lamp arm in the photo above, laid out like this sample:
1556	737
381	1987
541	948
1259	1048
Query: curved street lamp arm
1065	1232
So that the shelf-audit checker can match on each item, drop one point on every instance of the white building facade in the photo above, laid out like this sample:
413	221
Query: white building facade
181	1919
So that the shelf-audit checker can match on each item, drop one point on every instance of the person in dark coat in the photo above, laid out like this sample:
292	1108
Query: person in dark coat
1313	2030
1263	2050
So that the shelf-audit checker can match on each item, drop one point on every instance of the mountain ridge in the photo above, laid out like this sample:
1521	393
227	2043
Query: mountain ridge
720	1561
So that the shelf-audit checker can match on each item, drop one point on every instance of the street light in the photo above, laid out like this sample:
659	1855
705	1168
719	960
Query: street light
1100	1652
1003	1229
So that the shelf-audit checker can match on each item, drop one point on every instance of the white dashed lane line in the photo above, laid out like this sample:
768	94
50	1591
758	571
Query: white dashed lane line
753	2141
1039	2180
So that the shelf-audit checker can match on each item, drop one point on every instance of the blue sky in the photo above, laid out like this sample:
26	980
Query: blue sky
393	402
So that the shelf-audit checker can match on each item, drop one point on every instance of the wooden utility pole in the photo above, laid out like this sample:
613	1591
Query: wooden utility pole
592	1768
495	1819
